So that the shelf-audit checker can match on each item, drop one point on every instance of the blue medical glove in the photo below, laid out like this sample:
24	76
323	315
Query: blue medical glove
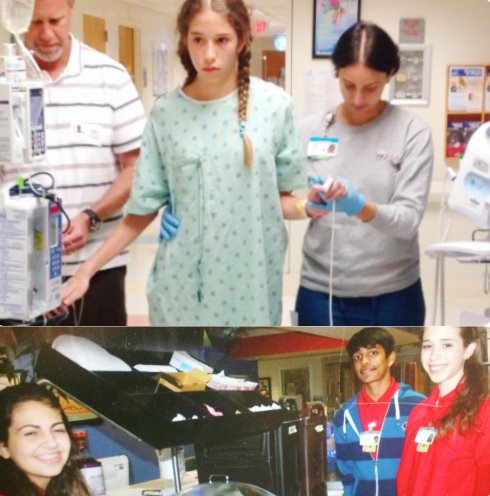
312	180
169	224
351	204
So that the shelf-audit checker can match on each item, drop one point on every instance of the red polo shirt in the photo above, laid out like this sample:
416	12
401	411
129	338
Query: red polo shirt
455	465
374	412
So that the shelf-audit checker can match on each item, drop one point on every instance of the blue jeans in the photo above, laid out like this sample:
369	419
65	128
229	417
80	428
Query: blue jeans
401	308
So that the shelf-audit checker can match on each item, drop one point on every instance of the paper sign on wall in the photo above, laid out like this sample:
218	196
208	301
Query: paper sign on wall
412	30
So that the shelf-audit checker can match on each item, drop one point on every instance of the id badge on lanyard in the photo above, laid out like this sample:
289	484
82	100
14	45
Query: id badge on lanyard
369	441
322	148
424	438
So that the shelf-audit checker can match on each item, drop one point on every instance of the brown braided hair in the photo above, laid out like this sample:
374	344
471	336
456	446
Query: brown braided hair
238	16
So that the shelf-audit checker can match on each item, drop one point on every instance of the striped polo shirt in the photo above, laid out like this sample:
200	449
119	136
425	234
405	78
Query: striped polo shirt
93	112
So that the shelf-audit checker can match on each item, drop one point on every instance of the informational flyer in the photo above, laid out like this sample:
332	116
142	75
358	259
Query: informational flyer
322	91
465	92
487	91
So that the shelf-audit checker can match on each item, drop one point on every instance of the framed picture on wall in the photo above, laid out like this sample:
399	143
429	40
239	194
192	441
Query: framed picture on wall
265	386
296	382
330	19
410	85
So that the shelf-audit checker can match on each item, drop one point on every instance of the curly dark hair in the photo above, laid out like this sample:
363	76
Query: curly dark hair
13	481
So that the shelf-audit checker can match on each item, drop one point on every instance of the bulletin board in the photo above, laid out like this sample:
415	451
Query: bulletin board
467	105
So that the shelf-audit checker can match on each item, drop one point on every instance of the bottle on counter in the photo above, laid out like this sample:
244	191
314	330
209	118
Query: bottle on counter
90	467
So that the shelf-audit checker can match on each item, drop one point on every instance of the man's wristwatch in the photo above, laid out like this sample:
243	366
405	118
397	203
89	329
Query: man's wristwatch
93	218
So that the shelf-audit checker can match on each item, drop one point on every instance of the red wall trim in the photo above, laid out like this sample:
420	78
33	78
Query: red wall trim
291	342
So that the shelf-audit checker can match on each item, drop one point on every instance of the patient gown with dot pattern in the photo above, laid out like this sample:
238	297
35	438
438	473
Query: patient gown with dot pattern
225	265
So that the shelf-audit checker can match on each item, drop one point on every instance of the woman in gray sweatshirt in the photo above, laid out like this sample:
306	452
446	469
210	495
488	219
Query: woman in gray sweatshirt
361	264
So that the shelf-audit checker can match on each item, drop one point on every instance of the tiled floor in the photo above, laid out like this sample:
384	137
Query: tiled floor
463	306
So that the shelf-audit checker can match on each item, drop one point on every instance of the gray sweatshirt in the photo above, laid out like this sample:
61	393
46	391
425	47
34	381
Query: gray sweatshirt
389	160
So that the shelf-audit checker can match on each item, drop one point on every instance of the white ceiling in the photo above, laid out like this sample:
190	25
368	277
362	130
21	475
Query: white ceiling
275	10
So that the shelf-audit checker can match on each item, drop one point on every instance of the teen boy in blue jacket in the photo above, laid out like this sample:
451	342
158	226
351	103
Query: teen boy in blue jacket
369	429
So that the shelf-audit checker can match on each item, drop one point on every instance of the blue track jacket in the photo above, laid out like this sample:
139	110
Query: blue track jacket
361	474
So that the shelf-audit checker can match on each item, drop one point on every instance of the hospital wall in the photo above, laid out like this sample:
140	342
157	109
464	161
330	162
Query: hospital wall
272	368
457	32
151	27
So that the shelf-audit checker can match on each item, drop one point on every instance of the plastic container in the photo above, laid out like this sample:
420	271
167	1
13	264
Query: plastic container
90	467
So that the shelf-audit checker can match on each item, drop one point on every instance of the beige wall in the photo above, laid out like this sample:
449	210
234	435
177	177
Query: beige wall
151	27
458	34
272	368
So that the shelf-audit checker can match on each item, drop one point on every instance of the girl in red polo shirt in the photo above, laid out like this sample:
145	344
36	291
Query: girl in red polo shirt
447	446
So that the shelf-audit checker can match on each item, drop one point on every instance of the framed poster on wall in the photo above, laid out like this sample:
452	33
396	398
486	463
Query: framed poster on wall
296	382
330	19
410	85
265	386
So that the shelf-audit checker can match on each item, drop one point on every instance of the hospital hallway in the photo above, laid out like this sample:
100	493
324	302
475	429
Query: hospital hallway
465	297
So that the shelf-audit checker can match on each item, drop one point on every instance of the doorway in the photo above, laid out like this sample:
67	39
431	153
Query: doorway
126	49
129	53
94	32
274	67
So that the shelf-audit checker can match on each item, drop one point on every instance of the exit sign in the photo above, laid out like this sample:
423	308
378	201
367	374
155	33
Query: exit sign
259	27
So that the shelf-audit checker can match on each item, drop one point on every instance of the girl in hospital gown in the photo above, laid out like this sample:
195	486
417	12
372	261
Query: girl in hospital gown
225	151
225	265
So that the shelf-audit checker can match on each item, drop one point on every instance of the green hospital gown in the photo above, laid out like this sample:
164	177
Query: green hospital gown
224	267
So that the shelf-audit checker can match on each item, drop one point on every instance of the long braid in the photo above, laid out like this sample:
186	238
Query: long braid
243	93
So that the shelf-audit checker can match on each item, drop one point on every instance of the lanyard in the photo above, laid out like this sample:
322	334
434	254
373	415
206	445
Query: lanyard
328	121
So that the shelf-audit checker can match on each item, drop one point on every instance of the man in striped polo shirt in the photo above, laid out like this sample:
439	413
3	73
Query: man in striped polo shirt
369	429
94	122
